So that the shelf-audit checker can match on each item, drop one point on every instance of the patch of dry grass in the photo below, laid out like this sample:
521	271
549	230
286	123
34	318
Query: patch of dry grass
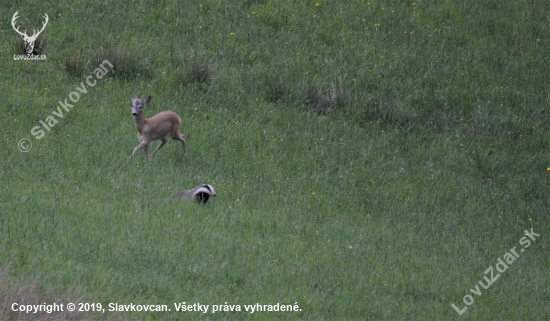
28	291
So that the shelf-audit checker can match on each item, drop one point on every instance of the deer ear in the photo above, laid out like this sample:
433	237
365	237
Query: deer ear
147	99
134	96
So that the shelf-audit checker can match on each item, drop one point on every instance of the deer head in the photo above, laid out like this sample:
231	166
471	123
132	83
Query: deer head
29	40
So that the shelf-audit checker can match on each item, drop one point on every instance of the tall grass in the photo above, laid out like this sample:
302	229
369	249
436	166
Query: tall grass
371	159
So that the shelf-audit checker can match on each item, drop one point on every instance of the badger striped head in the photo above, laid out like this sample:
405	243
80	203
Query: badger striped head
202	193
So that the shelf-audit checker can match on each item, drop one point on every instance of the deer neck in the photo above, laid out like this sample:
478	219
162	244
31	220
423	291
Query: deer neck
140	122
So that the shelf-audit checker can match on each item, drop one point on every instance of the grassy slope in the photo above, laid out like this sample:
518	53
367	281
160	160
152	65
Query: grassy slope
429	167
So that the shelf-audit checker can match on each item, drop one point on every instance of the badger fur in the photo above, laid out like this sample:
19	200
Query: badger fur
201	193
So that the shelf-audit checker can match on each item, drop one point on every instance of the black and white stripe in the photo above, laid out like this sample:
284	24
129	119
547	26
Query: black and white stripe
200	193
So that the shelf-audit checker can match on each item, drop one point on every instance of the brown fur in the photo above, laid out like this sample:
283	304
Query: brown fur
158	127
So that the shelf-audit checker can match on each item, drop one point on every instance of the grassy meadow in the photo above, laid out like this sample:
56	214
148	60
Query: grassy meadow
372	159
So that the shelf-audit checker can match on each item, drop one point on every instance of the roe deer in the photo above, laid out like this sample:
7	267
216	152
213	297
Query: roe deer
157	127
201	193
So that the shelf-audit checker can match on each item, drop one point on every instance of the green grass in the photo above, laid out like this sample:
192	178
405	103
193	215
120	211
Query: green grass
371	159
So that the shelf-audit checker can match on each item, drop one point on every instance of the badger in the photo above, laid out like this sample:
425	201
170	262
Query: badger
201	193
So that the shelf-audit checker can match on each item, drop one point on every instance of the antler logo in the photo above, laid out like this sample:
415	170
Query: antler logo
29	40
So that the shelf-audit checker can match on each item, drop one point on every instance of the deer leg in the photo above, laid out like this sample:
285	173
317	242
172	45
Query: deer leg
163	141
181	138
140	146
146	150
176	135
